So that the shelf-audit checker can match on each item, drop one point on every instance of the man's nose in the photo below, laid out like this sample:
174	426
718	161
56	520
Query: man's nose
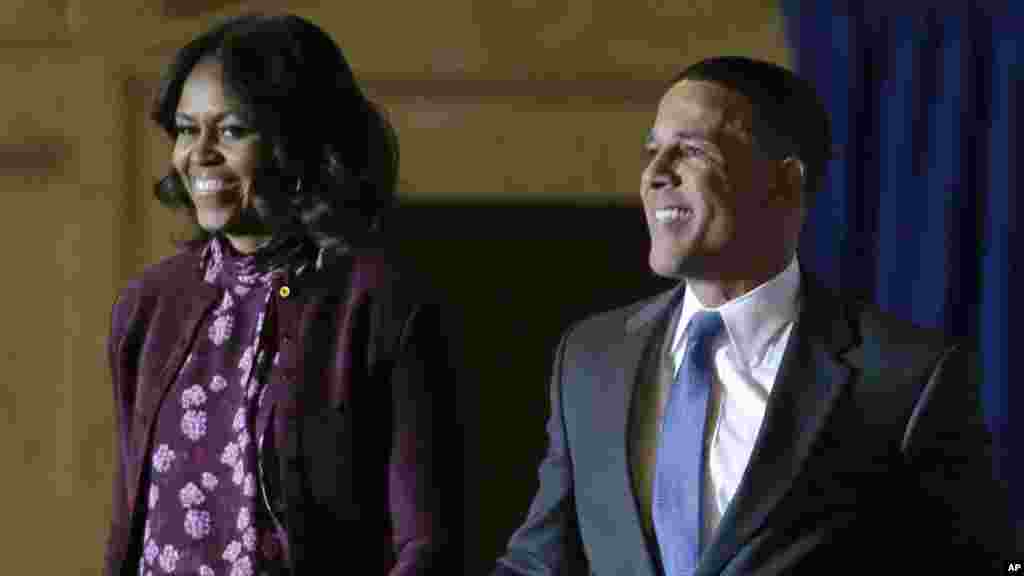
664	179
661	172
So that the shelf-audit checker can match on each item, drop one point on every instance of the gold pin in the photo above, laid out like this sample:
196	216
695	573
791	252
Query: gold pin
284	291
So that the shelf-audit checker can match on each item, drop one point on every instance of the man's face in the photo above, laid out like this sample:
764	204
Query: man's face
706	193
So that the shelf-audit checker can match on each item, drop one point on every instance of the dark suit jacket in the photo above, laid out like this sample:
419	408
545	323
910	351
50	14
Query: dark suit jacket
873	454
350	463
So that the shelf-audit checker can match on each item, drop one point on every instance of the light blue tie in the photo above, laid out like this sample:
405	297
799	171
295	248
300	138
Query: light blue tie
678	479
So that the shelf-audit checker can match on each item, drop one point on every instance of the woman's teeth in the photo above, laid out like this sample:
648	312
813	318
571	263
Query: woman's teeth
208	185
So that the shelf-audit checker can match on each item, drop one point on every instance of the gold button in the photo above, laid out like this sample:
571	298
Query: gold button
284	291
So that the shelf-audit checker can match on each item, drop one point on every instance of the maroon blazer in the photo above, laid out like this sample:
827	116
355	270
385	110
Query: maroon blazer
349	460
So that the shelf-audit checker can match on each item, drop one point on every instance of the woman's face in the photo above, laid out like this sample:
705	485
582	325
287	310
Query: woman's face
217	155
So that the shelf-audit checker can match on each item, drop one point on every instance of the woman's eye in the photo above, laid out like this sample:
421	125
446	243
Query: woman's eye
184	130
234	132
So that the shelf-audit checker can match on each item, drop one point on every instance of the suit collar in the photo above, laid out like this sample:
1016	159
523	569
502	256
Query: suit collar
828	317
815	369
823	314
836	326
655	308
753	320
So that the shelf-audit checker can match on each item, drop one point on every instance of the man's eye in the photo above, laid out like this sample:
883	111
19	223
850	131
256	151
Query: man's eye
691	150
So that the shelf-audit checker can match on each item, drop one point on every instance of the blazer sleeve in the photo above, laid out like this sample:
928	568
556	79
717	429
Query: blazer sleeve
118	529
949	448
548	541
425	469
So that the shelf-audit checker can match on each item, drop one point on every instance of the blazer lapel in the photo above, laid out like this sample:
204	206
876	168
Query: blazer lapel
180	313
810	379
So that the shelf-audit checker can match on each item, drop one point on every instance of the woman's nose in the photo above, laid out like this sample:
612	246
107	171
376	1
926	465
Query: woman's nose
204	148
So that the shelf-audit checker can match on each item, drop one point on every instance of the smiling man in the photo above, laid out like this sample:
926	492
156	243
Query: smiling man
750	421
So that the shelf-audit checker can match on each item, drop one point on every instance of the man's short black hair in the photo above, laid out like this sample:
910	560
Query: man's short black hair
789	118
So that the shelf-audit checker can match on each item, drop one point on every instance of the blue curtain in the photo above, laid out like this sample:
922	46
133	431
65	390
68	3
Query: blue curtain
919	209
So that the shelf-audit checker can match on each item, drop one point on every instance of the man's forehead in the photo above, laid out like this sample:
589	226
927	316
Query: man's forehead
704	107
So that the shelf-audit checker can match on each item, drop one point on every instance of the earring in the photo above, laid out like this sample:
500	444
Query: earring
298	185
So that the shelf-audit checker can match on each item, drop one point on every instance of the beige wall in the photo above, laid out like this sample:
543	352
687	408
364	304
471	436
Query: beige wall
494	101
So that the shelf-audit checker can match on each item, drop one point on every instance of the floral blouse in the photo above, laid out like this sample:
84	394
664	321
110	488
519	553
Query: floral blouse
207	514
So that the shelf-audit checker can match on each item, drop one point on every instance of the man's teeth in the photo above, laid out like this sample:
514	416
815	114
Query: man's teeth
670	214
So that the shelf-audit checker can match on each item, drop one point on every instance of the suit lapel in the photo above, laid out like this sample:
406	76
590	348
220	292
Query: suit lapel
625	364
810	379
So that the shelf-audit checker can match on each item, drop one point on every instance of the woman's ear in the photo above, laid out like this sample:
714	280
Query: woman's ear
792	181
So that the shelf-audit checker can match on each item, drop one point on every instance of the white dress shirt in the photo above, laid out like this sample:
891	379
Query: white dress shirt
746	356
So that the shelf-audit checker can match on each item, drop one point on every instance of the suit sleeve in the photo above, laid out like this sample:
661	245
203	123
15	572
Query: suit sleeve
949	447
548	541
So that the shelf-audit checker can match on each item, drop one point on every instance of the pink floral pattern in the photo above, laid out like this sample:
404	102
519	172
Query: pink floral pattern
242	567
249	485
209	481
193	397
191	496
232	551
244	518
197	524
151	552
243	438
249	538
163	458
218	383
208	525
193	424
238	472
225	304
239	421
230	454
214	268
169	558
220	330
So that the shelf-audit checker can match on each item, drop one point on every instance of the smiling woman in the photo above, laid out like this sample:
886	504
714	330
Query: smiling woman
216	156
282	103
278	382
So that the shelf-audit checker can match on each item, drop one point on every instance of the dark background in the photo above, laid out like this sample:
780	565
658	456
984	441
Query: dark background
497	105
515	277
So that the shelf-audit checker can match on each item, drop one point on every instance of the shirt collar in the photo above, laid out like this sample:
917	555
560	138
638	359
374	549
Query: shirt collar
286	258
753	319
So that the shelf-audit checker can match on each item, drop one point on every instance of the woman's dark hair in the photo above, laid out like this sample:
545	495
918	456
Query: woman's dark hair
332	152
789	118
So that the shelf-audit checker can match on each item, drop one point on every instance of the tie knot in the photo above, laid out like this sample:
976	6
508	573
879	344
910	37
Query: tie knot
704	326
